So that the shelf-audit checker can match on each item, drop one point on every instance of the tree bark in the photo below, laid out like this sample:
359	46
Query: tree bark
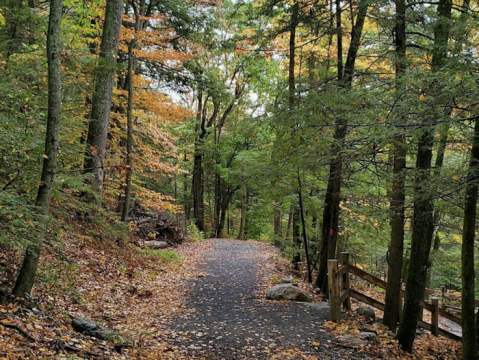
469	330
197	182
423	230
329	231
305	237
26	277
277	224
129	136
398	194
243	216
139	14
423	220
101	101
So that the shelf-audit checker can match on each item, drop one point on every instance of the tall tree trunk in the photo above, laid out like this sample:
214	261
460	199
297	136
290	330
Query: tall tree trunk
139	21
129	136
305	237
277	224
186	201
217	203
292	100
226	198
26	277
398	194
423	220
243	216
247	220
469	330
197	189
296	228
329	231
423	230
101	101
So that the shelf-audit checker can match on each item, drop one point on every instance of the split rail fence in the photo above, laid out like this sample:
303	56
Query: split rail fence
340	294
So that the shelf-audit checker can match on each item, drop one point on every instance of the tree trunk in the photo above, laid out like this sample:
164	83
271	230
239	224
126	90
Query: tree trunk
398	195
139	14
243	215
227	196
469	330
329	231
26	277
277	224
246	216
296	229
129	136
305	237
197	189
101	101
423	220
217	203
423	230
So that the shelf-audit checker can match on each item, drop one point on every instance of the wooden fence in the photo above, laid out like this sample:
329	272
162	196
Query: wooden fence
340	294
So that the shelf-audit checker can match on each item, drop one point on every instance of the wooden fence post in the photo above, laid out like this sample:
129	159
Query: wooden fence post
345	280
443	297
333	286
435	317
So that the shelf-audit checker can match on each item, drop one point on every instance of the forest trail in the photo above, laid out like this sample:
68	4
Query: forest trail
228	316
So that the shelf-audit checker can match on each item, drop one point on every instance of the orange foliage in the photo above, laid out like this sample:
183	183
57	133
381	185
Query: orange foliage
153	111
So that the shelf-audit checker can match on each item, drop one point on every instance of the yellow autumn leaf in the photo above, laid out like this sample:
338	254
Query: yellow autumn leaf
45	156
456	177
421	97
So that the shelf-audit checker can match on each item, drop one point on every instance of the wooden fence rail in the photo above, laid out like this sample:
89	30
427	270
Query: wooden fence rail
340	294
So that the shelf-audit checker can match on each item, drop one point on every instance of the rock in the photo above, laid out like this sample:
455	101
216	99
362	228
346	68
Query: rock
286	280
350	340
89	327
369	336
37	312
155	244
319	306
366	312
287	292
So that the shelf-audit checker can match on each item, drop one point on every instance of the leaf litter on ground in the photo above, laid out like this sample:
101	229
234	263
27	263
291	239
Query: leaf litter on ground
136	294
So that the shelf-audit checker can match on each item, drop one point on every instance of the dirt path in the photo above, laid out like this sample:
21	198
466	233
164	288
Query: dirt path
228	317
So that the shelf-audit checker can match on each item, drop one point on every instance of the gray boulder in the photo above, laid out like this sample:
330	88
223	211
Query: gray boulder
319	306
286	280
155	244
350	340
287	292
89	327
369	336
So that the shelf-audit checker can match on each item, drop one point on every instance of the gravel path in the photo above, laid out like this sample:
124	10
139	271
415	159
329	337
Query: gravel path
230	319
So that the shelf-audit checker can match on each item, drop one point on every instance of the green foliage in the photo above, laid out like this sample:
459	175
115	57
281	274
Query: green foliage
194	234
19	221
165	255
57	278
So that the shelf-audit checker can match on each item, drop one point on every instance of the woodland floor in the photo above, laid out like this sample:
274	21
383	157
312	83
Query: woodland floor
207	303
